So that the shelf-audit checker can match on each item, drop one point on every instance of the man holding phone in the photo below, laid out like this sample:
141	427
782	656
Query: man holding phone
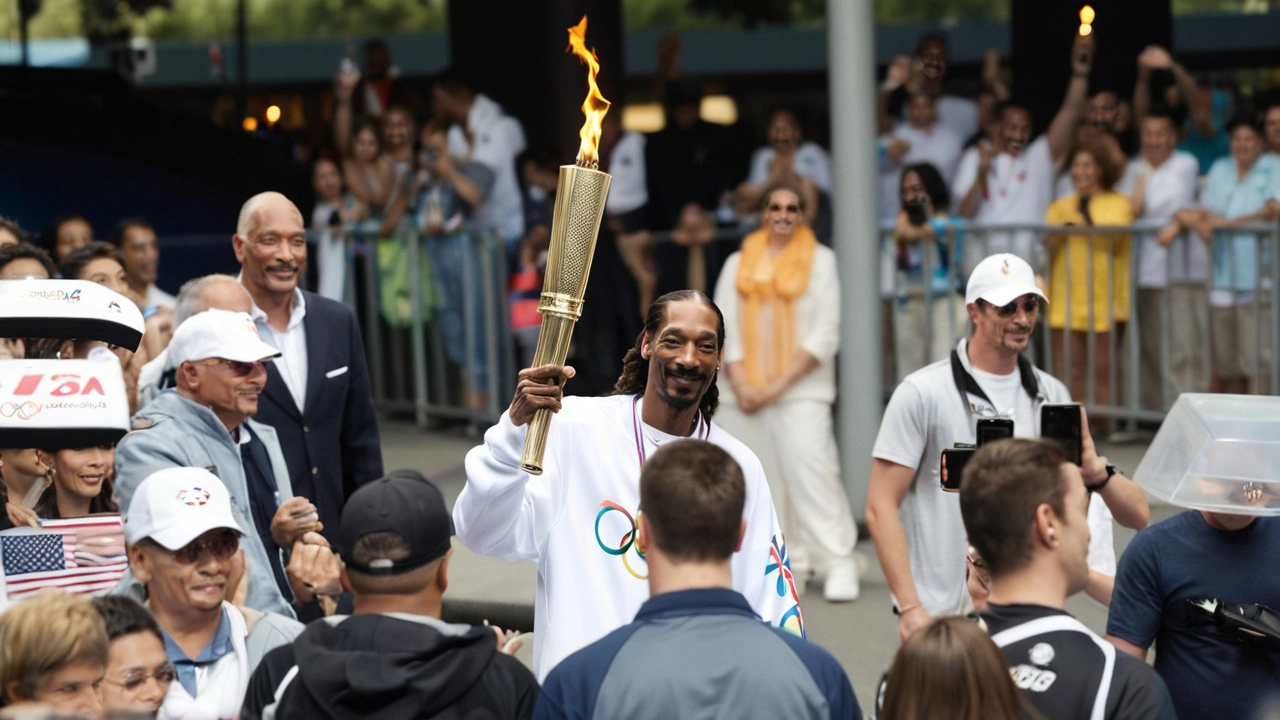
916	525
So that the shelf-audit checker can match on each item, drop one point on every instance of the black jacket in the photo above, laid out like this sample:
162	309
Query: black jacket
385	667
332	447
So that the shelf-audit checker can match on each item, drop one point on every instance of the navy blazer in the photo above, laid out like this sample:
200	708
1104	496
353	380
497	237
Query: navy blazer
333	447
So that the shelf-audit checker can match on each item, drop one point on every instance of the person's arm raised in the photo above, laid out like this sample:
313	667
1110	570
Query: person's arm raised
1061	132
1123	497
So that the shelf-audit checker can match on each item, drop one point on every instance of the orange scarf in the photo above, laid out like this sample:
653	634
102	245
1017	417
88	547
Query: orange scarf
776	281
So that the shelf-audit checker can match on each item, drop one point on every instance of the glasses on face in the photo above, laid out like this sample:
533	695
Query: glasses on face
1031	306
775	207
164	675
222	546
239	369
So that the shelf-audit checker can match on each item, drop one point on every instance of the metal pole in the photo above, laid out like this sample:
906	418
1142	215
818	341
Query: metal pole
242	59
24	18
851	80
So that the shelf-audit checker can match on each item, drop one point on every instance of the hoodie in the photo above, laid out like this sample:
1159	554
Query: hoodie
390	667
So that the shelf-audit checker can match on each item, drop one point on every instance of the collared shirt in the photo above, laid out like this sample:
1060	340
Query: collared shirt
1235	256
189	669
292	344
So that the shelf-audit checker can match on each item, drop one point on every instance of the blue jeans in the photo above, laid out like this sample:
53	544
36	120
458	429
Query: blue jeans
456	269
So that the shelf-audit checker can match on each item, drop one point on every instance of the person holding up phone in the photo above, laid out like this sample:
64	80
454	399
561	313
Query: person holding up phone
916	526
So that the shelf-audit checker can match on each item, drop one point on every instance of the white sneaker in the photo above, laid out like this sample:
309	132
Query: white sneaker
842	583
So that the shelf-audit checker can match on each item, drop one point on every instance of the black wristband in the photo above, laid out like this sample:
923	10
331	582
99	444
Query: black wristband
1112	470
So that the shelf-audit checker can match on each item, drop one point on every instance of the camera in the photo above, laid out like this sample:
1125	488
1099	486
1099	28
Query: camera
955	459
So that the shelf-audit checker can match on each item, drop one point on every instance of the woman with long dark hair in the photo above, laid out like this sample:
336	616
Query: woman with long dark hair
79	482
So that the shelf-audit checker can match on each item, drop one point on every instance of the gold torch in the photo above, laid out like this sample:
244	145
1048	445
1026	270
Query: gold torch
580	196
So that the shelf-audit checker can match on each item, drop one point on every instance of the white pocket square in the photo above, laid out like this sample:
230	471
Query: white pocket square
335	373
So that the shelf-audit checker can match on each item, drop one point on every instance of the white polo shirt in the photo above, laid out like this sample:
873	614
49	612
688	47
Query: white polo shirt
1169	188
927	415
1019	190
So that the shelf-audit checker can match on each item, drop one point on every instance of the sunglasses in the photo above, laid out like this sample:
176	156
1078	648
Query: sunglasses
223	546
789	208
1031	306
239	369
164	675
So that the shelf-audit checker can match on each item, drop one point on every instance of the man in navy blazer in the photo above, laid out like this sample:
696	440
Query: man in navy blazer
317	395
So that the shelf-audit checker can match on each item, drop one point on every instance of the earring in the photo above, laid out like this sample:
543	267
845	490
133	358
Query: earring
1052	537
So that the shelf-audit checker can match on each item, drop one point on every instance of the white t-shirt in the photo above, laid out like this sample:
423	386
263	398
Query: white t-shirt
810	161
938	146
498	139
1019	190
927	415
957	114
628	190
158	298
1169	188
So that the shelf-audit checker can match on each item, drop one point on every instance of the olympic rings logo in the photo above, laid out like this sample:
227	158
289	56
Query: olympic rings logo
630	538
23	411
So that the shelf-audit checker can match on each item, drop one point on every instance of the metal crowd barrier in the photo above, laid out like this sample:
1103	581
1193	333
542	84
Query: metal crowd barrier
965	244
408	362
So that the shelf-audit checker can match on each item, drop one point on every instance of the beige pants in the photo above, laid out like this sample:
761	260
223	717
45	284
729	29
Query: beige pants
1186	331
796	443
911	349
1242	343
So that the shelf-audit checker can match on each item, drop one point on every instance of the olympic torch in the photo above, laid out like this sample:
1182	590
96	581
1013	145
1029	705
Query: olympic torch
580	196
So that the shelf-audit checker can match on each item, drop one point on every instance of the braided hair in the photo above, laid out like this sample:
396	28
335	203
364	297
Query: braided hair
635	369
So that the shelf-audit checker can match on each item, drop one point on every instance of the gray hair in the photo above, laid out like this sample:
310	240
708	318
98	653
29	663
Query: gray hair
191	294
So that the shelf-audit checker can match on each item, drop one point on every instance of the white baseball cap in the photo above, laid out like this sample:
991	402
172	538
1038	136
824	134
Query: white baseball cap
218	334
1001	279
177	505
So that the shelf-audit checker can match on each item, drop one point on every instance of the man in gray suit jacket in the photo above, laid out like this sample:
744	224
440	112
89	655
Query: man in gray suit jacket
204	422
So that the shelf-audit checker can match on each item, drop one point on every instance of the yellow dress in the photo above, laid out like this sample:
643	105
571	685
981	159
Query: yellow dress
1109	252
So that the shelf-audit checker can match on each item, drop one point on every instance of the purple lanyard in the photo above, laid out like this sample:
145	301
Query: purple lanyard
704	430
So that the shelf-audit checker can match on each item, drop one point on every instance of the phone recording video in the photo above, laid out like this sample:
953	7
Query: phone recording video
992	429
1060	422
953	462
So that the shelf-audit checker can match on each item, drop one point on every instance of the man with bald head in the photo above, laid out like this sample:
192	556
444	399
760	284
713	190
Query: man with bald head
211	292
317	395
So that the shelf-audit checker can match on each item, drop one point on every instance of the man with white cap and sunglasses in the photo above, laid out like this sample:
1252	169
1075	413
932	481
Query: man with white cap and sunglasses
916	525
204	422
183	538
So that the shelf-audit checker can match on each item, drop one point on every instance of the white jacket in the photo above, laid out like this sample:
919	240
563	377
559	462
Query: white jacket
576	519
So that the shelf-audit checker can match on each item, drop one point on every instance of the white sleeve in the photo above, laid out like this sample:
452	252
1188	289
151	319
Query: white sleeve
760	165
727	299
1102	548
502	510
823	336
761	568
966	173
1188	182
821	168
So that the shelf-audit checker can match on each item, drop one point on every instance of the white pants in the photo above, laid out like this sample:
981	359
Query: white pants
796	443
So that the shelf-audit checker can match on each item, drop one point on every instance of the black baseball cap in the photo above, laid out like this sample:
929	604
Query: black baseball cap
406	503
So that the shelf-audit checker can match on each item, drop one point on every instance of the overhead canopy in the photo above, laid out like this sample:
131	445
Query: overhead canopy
68	309
1219	453
56	404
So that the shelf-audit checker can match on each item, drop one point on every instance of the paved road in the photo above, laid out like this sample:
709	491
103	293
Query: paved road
862	635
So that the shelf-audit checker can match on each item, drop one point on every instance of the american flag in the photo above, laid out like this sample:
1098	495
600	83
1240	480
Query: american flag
79	555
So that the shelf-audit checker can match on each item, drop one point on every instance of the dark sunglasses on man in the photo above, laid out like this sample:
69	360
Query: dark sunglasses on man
223	546
238	368
1031	306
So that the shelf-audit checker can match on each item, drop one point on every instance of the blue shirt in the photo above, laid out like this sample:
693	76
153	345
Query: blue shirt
1235	255
1209	674
698	654
220	645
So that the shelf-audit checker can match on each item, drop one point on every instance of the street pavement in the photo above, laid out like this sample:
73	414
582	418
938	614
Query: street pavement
862	635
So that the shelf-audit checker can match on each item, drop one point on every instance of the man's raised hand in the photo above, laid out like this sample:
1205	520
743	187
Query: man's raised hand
538	388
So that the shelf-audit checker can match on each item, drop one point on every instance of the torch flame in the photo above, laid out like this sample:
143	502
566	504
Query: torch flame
1087	16
595	106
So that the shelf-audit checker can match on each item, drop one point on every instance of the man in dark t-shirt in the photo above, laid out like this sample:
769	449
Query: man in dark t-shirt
1025	510
1192	556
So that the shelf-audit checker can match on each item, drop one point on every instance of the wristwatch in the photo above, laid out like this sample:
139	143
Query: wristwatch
1112	470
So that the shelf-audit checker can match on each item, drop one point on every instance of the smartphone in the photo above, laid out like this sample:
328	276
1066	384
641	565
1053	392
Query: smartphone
1060	422
953	462
992	429
916	214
